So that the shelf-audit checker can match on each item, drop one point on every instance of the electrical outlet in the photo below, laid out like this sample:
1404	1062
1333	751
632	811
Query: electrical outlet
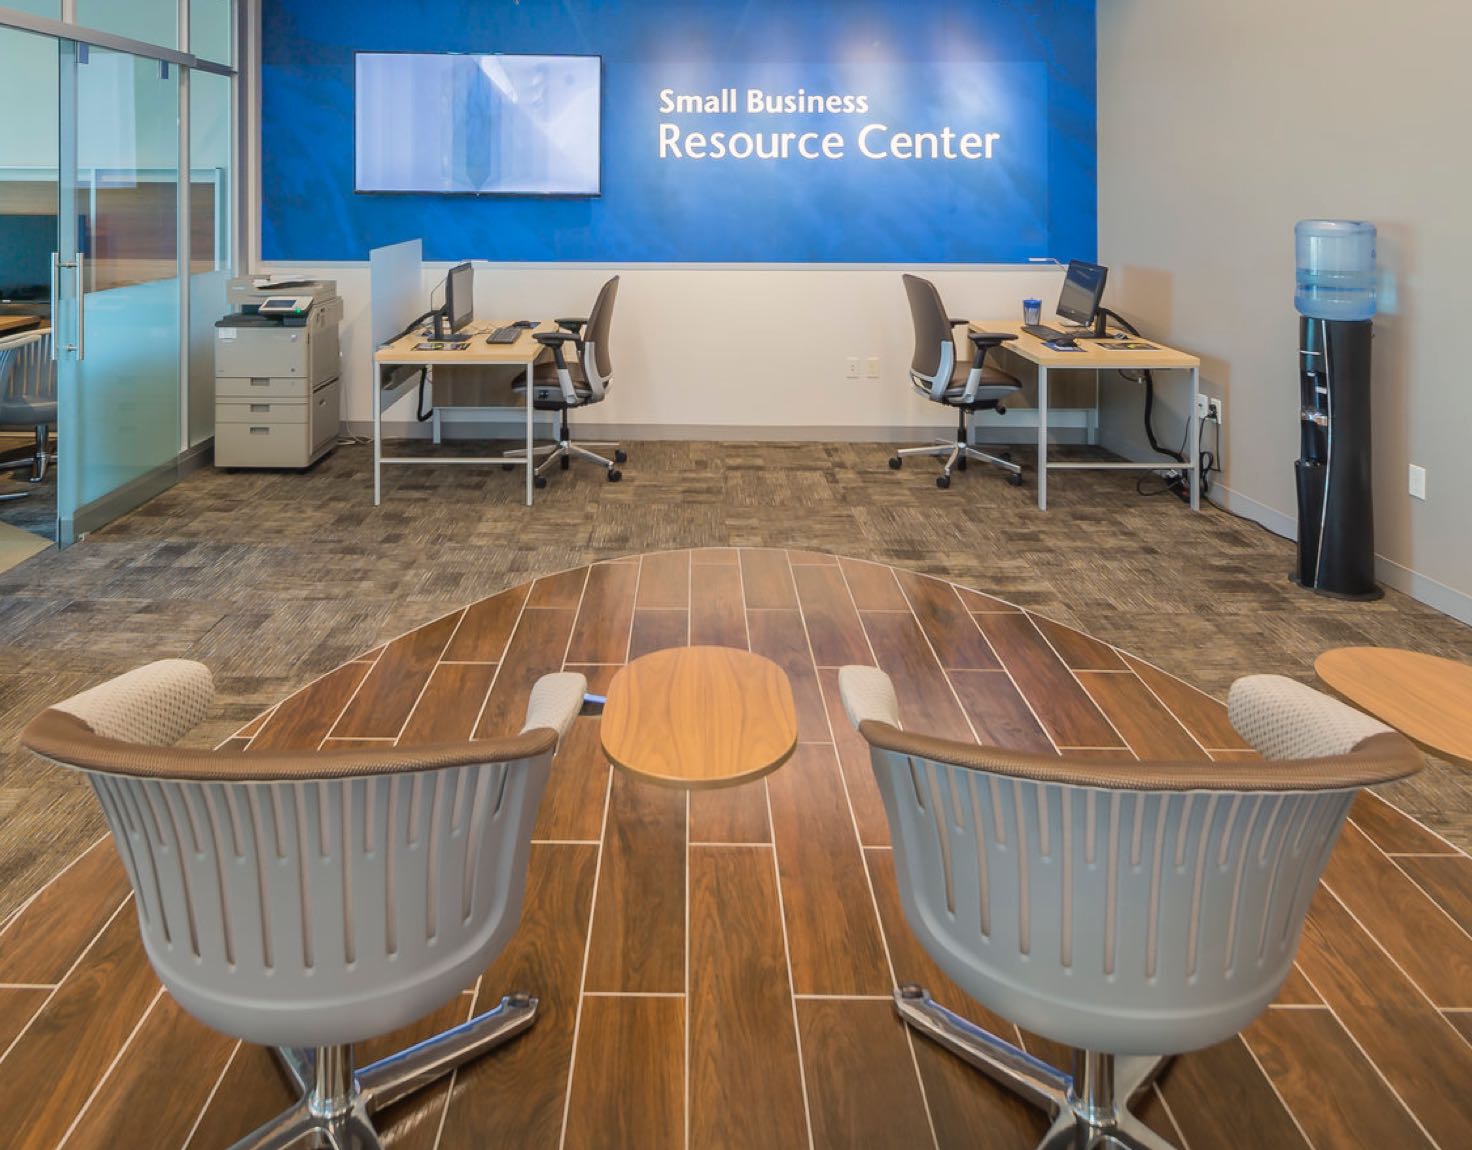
872	367
1214	409
853	367
1201	405
1418	482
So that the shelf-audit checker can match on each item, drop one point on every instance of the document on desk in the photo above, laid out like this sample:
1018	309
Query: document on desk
1063	347
1128	345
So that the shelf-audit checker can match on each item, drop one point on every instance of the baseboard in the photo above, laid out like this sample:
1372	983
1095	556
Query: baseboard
198	457
1269	517
100	512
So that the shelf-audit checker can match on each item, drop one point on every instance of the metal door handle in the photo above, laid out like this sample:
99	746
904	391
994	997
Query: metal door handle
55	270
81	310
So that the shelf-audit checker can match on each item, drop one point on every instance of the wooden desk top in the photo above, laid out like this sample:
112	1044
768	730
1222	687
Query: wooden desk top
15	324
480	353
1093	357
699	717
1425	697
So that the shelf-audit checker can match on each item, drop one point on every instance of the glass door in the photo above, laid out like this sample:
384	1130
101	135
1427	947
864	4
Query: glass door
116	284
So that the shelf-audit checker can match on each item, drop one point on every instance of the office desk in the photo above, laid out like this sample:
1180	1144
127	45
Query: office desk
1096	359
401	353
15	324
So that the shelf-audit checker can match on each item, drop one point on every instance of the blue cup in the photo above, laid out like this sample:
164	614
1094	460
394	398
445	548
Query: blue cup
1032	311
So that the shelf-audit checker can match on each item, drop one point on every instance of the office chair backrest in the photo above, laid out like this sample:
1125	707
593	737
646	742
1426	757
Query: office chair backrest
311	898
1127	908
597	361
934	361
26	371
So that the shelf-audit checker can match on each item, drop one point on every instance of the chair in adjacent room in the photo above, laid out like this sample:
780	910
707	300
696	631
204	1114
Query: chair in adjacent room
938	373
1129	910
310	900
561	384
28	398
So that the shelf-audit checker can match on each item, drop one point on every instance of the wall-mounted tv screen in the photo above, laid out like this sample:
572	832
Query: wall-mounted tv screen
478	125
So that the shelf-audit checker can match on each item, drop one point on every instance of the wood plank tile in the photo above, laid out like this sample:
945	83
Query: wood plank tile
1461	1021
664	580
717	611
1198	712
153	1095
252	1092
450	705
1423	1058
1432	949
767	579
811	558
371	656
639	924
628	1079
536	650
1079	651
976	602
1328	1083
1064	708
235	744
49	1073
858	769
515	1095
862	1088
388	694
487	627
999	713
1148	728
302	721
957	640
254	725
349	744
1448	880
873	586
1222	1101
1394	831
779	636
17	1006
44	939
926	701
598	675
745	1082
714	556
656	629
1221	756
834	632
572	805
564	589
601	634
832	931
731	814
1297	990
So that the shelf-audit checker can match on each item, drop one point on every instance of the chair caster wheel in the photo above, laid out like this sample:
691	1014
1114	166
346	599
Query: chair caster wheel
895	462
566	462
620	456
1015	480
942	481
539	481
1005	455
614	475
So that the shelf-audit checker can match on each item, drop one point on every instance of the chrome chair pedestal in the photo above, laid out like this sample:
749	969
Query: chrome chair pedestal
337	1104
1088	1108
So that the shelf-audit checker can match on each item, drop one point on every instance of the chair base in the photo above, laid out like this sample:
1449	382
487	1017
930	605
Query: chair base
337	1105
1088	1108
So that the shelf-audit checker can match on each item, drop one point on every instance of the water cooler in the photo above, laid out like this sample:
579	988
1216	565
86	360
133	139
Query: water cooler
1335	298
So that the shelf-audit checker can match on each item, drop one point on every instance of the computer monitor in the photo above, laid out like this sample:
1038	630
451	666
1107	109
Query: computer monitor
459	309
1083	287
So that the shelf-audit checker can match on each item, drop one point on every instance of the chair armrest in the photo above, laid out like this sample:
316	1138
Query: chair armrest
954	322
990	338
868	693
554	338
554	703
1285	719
156	704
572	324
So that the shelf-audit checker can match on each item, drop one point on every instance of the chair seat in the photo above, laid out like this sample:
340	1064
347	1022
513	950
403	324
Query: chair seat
22	411
995	385
547	388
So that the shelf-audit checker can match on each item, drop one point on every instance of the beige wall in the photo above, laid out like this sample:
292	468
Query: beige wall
1220	125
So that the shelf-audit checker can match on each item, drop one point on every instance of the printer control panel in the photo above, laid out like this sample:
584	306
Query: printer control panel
285	305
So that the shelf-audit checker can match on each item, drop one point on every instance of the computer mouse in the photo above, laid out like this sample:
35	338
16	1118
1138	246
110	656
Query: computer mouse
1064	341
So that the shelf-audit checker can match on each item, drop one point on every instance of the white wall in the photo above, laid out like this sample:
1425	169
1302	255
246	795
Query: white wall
1220	125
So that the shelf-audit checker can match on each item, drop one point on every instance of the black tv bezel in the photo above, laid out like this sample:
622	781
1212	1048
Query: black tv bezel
1098	292
357	191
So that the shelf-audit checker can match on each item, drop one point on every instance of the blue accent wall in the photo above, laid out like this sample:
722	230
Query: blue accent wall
1021	70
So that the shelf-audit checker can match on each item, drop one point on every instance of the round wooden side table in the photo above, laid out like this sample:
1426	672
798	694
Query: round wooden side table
1425	697
699	717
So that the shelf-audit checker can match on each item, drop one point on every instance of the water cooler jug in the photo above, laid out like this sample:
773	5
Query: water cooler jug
1335	298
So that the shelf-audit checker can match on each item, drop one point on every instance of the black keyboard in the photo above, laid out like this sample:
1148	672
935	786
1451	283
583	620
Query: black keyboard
1043	332
509	334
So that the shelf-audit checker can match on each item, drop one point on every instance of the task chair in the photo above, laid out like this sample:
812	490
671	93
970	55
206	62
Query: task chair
28	398
938	373
1130	910
561	385
311	900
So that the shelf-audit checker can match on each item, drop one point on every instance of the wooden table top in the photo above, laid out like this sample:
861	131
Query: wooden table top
699	717
14	324
1093	357
479	353
1425	697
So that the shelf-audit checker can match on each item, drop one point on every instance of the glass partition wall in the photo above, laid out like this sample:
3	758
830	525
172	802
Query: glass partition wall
117	224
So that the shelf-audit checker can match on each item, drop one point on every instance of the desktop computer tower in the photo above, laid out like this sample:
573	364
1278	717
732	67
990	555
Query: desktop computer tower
1336	527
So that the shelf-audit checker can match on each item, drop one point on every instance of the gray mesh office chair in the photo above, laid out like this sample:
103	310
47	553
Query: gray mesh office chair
1129	910
307	901
561	385
937	373
28	397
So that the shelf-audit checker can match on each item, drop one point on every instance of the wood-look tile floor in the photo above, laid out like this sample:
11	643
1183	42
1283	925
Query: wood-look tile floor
715	967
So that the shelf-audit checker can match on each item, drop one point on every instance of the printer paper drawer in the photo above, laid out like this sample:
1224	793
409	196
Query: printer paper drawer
260	387
261	351
261	445
264	411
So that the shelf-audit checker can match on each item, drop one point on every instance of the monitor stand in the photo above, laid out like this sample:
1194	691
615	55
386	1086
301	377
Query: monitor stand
1096	331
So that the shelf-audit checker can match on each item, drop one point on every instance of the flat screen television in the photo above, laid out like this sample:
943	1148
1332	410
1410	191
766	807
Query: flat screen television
454	124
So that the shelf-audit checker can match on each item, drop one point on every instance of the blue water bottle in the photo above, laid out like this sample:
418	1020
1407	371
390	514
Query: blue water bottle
1336	269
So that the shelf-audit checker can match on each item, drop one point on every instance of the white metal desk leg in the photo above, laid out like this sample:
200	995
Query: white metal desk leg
377	436
1195	440
530	461
1042	437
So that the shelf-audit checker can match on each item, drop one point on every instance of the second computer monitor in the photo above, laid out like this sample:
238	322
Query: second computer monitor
1083	287
460	297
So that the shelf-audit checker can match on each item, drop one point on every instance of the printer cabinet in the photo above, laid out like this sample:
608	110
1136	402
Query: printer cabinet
272	427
